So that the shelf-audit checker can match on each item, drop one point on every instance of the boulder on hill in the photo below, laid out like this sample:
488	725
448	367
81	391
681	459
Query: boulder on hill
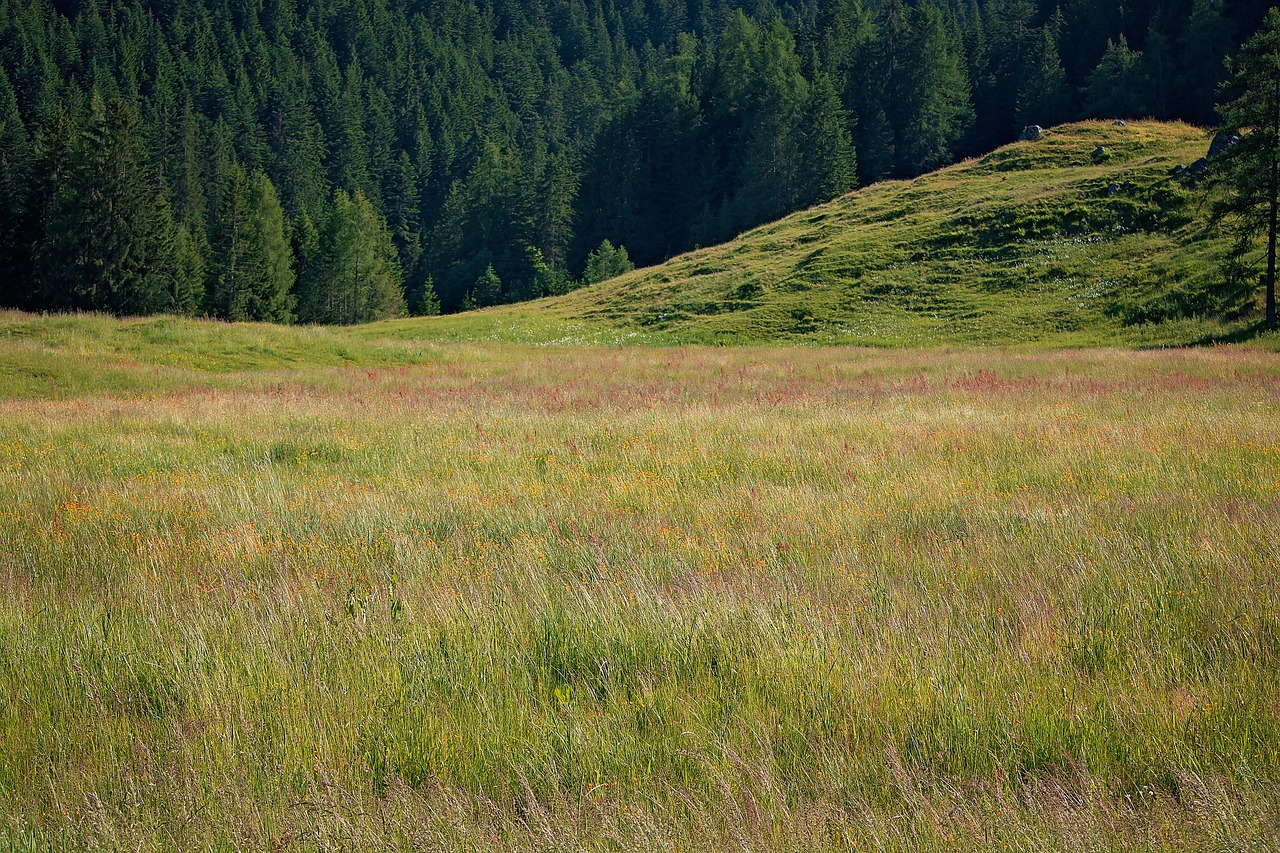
1221	142
1030	133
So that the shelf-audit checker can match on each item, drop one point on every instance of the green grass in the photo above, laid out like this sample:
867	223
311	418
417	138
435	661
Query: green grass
308	589
66	355
496	582
1028	245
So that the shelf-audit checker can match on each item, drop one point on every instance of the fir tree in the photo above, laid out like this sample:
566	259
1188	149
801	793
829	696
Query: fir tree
1116	87
15	173
355	277
606	262
106	232
251	271
1249	171
486	291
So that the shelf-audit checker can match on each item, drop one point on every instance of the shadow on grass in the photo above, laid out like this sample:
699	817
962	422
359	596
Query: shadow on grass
1240	335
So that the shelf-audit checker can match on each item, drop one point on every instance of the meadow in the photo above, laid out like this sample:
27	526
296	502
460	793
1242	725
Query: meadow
404	596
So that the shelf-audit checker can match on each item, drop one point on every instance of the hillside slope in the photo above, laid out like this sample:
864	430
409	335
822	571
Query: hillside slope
1037	242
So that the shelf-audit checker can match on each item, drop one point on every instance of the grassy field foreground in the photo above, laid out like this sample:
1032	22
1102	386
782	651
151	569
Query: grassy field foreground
566	599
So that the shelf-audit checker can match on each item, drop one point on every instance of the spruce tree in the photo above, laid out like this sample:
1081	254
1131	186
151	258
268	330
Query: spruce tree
15	172
188	283
826	161
404	199
251	271
606	262
309	268
486	291
354	277
661	124
557	189
1010	41
1249	171
1202	51
1117	87
1043	97
1159	61
107	231
937	96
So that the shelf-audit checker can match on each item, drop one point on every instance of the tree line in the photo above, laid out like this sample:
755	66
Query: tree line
340	161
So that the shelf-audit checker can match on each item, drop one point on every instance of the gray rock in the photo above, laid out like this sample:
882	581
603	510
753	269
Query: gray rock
1221	142
1030	133
1119	123
1099	153
1177	170
1113	188
1199	167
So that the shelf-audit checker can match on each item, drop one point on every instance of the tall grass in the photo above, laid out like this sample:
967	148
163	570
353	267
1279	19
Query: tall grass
571	599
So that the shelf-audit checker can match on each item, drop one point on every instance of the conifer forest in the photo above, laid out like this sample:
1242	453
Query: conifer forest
342	161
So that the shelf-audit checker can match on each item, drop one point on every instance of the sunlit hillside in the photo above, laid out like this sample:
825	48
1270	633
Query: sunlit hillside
1048	242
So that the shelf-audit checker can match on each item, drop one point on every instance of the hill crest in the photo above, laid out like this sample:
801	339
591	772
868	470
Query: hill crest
1037	242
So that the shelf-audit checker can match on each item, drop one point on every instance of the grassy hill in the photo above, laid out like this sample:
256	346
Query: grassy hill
1037	242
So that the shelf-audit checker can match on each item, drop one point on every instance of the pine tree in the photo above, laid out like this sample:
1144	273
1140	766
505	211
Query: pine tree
486	291
107	231
1117	87
354	277
251	270
1043	97
606	262
1249	171
15	166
